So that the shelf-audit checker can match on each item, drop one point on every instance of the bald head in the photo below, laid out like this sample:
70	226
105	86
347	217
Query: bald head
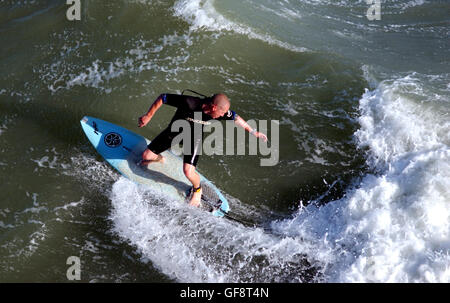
220	104
221	101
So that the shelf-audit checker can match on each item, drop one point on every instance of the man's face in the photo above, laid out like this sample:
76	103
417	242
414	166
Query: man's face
217	111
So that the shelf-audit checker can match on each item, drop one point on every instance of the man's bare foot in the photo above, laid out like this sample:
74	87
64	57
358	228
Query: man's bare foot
196	198
159	159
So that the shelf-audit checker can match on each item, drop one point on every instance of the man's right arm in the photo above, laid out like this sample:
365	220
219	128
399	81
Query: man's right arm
143	120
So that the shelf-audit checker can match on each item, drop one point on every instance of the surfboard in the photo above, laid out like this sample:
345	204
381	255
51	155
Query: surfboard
122	149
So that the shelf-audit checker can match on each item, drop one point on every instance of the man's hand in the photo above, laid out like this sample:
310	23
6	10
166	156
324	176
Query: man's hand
143	120
260	135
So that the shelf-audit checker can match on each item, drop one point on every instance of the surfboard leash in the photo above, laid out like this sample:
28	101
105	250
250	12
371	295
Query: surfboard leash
244	222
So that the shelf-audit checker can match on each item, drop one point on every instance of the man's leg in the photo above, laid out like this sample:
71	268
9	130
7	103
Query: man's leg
194	178
189	164
161	143
148	157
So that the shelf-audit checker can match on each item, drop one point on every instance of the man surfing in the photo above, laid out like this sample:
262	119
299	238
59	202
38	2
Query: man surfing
216	107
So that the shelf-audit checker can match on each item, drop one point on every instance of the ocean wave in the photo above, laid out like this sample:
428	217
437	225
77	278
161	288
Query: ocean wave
189	245
393	225
402	117
202	15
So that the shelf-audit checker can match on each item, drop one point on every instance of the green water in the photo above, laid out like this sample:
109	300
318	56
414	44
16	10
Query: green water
56	190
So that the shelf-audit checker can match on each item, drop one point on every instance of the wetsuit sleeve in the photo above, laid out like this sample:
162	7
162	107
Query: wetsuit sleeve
230	115
178	101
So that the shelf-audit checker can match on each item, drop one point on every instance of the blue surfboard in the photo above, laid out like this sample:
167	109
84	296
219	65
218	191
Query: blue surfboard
123	148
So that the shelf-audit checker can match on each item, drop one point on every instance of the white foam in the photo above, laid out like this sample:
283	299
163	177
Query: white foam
143	56
70	205
394	226
395	124
95	174
190	245
3	128
409	4
202	15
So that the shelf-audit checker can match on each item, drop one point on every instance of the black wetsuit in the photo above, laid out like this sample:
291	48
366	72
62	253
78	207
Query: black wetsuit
189	108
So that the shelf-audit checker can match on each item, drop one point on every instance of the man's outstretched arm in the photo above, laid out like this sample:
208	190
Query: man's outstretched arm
241	122
143	120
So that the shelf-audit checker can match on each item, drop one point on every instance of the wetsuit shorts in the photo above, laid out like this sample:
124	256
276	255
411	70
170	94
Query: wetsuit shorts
164	140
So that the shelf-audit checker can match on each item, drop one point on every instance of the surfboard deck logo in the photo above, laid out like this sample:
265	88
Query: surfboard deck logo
123	148
113	140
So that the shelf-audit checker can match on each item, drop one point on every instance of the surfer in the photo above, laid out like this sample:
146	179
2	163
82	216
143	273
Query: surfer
216	107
